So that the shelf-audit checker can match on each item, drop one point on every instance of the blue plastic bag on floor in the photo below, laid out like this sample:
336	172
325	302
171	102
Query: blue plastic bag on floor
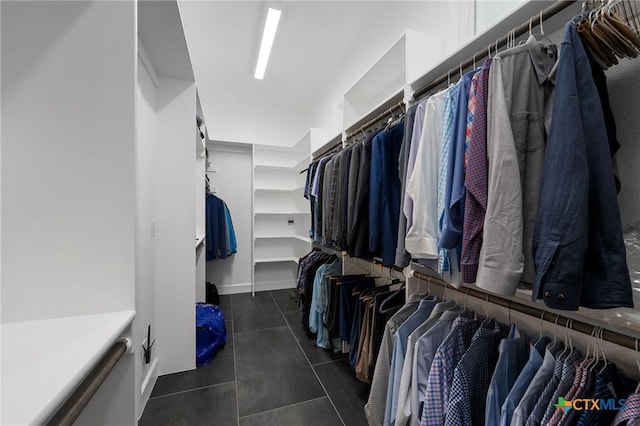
211	333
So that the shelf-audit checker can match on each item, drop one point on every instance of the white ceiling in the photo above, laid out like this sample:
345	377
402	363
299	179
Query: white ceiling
312	40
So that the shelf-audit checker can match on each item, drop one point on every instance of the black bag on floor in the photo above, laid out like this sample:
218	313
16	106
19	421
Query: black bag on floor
211	294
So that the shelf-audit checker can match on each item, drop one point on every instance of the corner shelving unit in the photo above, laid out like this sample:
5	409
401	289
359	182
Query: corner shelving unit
386	82
281	213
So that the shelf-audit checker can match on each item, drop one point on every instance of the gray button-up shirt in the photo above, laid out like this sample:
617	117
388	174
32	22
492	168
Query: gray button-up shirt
519	115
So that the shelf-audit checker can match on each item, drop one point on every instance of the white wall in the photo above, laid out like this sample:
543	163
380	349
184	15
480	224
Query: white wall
145	241
68	158
233	182
624	91
175	225
434	18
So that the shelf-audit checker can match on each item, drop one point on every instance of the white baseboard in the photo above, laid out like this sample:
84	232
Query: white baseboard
275	285
234	288
261	286
147	385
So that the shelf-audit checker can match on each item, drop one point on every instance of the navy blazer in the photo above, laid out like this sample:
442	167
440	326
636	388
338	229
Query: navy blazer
384	194
578	247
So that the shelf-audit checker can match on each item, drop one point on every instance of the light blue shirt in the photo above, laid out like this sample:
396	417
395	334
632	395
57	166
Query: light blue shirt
448	126
319	303
423	354
404	413
399	350
511	360
533	392
524	379
455	190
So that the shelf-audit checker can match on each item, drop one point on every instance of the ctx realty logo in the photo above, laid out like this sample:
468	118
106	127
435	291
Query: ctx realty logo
589	404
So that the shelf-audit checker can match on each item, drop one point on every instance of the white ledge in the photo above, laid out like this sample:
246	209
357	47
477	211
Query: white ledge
44	361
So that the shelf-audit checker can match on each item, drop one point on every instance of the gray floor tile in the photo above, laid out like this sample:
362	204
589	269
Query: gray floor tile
272	371
318	412
225	306
214	405
255	313
314	354
228	347
219	370
347	393
286	299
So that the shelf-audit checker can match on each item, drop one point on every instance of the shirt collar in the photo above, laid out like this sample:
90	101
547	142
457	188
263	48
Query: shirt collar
541	56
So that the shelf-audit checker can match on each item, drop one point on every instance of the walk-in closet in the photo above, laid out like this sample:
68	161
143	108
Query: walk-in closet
320	213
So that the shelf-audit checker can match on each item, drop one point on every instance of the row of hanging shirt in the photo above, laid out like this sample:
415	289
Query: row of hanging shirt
505	180
448	367
510	179
354	195
346	314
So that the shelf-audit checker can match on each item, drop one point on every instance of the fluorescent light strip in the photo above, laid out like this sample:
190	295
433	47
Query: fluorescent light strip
270	28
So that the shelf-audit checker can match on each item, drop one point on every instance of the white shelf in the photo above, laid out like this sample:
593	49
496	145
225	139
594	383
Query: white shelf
276	167
407	58
274	237
391	101
298	188
302	164
277	260
44	361
258	213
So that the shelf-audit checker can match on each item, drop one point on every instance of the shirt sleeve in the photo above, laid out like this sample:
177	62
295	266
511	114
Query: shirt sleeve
475	179
375	200
422	187
501	258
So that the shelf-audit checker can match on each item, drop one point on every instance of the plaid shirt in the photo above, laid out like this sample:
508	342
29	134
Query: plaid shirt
631	412
566	380
442	369
448	123
611	384
476	171
467	401
546	399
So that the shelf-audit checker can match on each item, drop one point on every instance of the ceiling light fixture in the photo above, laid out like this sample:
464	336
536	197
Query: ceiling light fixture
270	28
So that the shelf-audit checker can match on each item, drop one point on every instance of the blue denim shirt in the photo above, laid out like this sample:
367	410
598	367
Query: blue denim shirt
578	247
455	191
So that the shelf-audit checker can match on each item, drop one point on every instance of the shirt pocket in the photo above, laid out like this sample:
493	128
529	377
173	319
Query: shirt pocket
528	131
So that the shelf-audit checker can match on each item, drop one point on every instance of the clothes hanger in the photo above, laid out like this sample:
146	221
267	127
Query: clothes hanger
621	29
553	344
540	331
428	281
638	365
596	353
570	323
383	309
605	57
609	37
542	36
587	356
604	354
567	345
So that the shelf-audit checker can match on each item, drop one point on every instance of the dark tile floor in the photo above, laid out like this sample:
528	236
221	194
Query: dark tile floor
269	373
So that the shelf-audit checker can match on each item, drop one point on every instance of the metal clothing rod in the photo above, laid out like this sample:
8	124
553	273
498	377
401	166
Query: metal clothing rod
324	151
71	409
386	113
478	56
608	335
393	267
